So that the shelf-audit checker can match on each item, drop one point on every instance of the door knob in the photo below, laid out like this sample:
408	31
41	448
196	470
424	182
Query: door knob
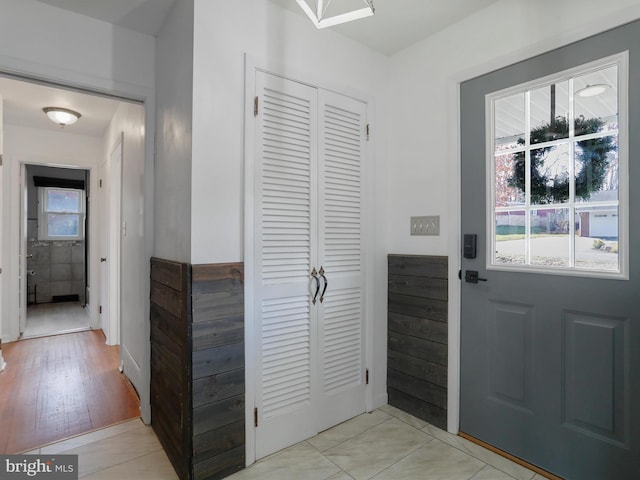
103	259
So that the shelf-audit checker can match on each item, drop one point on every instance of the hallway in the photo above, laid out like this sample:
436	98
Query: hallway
60	386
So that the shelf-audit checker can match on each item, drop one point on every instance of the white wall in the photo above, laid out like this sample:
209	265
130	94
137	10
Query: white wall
51	42
424	118
174	93
288	43
423	112
128	121
223	32
24	145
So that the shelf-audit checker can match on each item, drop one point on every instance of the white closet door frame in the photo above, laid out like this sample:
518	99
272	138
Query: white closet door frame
251	65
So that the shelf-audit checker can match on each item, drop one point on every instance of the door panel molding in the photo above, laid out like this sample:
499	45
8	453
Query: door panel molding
510	337
596	366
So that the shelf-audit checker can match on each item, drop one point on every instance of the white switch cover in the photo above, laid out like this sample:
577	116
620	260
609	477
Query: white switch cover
425	225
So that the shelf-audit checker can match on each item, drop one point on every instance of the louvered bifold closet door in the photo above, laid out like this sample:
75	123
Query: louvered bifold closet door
342	125
286	249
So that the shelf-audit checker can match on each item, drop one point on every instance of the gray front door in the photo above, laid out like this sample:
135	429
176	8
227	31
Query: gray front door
550	352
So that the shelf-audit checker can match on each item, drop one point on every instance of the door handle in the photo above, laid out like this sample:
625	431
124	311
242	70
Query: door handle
471	276
29	255
103	259
326	284
314	274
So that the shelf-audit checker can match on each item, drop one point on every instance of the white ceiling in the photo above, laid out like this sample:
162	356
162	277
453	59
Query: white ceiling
396	25
23	103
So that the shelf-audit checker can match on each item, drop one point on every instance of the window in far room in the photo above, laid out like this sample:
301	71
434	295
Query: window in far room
60	214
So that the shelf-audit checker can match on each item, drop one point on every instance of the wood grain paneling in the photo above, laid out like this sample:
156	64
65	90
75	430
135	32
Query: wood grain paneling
216	442
418	307
418	336
170	306
197	362
218	387
218	370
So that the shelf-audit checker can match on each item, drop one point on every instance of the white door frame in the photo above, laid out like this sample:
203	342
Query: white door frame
2	363
22	239
53	75
22	250
114	262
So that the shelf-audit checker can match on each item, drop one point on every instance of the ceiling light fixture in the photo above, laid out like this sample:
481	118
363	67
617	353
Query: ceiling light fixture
61	116
593	90
319	19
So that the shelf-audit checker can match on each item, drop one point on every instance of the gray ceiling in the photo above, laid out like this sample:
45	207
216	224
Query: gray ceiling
144	16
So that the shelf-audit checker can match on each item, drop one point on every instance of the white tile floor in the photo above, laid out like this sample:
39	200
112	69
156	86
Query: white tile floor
55	318
386	444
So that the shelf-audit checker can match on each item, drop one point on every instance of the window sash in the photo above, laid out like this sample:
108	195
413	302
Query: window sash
52	219
573	205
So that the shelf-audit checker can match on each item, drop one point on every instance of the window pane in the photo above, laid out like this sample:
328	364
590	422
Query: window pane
550	237
509	122
597	238
510	238
596	101
597	169
550	175
549	113
63	225
509	182
63	201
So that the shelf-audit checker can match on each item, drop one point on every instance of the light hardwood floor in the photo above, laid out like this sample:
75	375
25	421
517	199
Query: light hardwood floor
60	386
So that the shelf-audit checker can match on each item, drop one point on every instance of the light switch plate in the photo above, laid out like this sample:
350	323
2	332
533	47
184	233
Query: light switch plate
428	225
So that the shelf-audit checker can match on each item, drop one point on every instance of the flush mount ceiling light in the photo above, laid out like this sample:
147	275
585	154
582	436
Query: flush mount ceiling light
61	116
593	90
322	17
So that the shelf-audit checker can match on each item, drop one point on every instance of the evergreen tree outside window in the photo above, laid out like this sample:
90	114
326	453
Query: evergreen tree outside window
558	176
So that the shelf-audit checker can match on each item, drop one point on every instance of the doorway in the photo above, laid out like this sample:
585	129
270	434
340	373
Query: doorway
33	142
56	220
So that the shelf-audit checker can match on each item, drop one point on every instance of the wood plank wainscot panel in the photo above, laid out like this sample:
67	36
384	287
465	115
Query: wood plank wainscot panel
197	364
171	360
218	373
417	336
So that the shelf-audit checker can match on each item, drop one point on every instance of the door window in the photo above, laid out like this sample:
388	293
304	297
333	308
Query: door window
557	166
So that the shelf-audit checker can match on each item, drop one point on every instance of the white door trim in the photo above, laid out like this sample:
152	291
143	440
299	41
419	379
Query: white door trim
115	237
53	75
600	25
